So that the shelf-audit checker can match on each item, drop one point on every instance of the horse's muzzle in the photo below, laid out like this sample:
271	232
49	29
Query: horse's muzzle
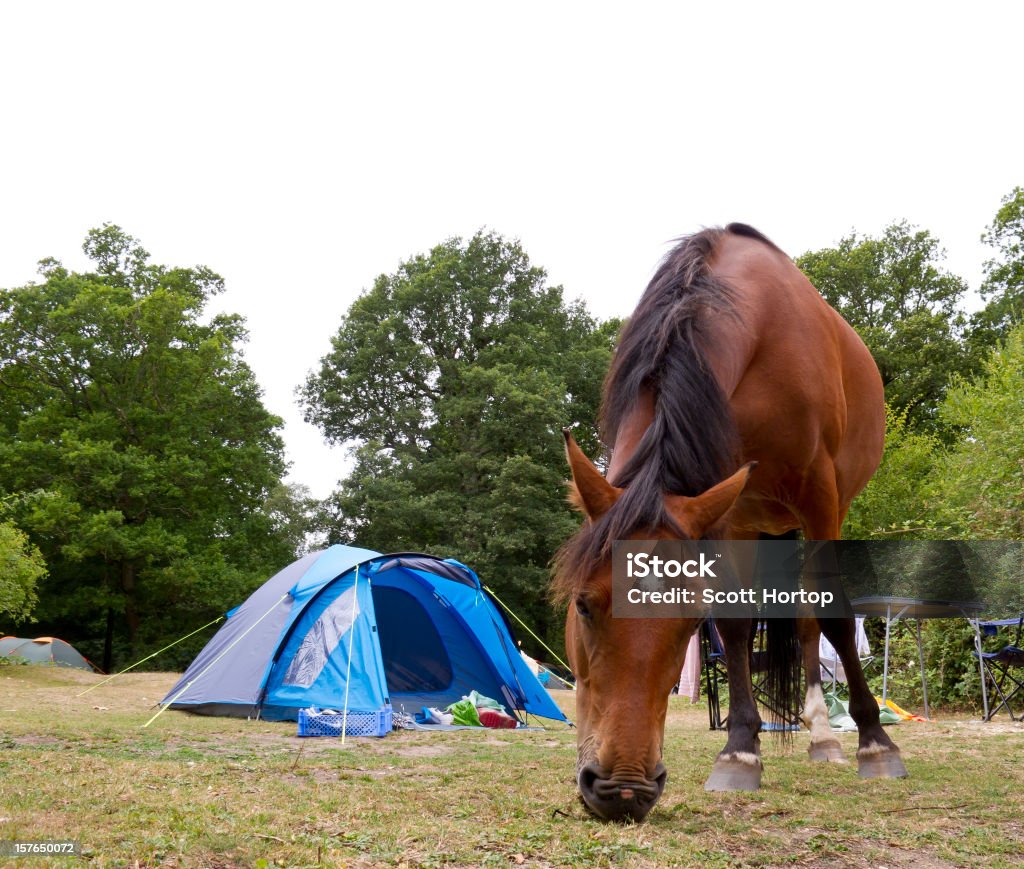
618	799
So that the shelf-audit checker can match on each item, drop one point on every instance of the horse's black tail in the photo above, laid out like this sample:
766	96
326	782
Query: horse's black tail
782	666
782	658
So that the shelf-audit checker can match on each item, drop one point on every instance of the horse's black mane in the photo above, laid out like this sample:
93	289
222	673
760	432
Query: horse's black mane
692	443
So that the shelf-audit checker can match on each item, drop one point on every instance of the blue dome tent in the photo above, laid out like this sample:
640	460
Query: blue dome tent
422	632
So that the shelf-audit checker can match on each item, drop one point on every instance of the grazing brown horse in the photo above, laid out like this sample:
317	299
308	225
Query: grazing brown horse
738	405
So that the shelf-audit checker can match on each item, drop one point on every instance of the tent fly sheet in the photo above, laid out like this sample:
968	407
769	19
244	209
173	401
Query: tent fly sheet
349	627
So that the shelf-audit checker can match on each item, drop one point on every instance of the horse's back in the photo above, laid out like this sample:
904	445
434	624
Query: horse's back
805	392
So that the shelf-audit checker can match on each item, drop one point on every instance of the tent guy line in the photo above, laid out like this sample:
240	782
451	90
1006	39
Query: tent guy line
159	651
165	705
505	607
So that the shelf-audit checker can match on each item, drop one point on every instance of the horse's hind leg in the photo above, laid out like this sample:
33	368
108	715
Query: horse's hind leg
821	518
824	744
877	754
738	765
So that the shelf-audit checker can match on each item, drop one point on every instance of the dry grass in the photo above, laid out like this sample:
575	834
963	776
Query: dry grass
193	791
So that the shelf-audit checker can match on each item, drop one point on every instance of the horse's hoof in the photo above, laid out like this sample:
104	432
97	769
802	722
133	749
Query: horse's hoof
830	751
735	772
886	764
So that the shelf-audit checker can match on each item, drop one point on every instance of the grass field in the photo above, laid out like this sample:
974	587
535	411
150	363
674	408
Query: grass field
193	791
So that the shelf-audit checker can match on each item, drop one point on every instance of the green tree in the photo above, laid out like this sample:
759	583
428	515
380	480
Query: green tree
450	380
135	445
982	474
292	511
1003	286
21	569
895	292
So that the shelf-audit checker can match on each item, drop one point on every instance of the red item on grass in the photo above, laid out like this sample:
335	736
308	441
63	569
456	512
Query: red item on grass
494	718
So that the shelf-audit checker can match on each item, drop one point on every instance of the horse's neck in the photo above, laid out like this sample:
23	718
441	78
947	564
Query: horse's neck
733	340
631	429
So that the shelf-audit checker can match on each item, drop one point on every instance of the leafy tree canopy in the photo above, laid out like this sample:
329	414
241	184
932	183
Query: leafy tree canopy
895	292
451	379
135	443
1003	286
982	475
21	568
971	488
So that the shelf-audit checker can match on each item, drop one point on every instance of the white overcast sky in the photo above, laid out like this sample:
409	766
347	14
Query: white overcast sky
302	149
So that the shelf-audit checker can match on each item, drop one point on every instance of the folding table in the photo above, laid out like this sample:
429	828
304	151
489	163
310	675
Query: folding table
892	608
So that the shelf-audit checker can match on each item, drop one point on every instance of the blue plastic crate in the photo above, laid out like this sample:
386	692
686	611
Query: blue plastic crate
313	722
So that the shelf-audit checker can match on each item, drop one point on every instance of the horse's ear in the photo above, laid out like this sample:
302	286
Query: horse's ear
698	514
590	491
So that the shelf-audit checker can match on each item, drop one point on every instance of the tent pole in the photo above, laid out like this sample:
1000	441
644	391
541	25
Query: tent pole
920	660
143	661
885	662
348	668
206	669
979	649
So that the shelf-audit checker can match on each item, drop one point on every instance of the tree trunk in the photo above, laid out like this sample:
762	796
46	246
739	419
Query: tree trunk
108	642
130	611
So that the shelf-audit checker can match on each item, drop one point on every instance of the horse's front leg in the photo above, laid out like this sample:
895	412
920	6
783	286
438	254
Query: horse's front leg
738	765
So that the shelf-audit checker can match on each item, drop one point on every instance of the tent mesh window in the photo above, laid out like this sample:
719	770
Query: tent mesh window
322	640
415	658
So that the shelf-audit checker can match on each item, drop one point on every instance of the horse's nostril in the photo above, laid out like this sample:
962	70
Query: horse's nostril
660	777
588	776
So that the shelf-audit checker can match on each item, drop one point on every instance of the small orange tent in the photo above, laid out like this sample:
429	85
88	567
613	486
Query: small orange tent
45	650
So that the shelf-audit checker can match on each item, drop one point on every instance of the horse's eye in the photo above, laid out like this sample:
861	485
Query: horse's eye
581	608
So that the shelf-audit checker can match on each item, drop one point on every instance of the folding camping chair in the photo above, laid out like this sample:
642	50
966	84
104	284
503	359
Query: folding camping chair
997	669
713	661
712	657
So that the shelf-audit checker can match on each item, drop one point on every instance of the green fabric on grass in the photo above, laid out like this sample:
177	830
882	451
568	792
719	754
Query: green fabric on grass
839	714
